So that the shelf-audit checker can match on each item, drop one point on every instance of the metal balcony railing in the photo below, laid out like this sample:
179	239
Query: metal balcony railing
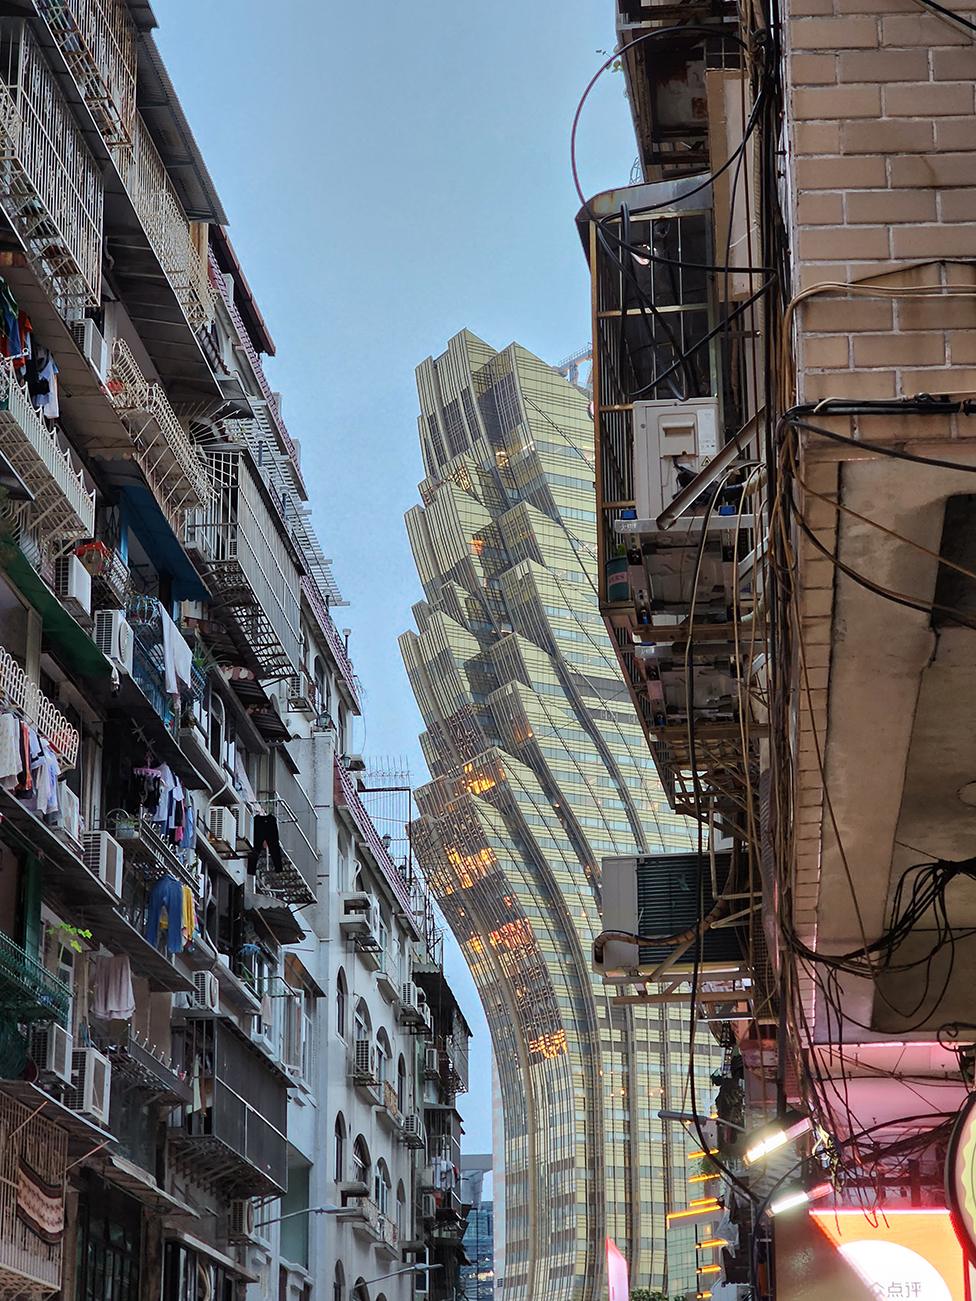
63	510
17	691
347	798
28	991
173	467
98	41
50	185
29	1266
178	244
251	567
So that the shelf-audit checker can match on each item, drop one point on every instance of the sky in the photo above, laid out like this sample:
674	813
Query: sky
393	173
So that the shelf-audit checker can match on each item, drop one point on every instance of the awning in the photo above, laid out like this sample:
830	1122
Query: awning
163	548
299	976
205	1249
71	643
84	1136
141	1185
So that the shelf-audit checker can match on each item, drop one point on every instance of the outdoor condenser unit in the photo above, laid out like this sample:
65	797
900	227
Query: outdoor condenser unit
658	895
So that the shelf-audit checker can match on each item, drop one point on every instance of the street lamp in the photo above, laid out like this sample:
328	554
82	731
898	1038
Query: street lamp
395	1273
307	1210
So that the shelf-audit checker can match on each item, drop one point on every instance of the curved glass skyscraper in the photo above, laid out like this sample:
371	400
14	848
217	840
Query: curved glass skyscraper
539	770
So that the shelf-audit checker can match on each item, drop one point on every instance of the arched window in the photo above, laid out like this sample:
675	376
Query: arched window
360	1292
383	1054
363	1025
340	1148
381	1186
361	1164
339	1283
342	998
401	1085
401	1211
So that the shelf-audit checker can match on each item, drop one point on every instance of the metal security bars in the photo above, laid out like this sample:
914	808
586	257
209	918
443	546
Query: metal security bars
29	1266
252	571
98	41
177	242
50	187
173	467
63	508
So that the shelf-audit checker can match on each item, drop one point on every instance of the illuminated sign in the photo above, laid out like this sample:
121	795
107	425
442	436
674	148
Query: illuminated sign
911	1255
617	1273
960	1176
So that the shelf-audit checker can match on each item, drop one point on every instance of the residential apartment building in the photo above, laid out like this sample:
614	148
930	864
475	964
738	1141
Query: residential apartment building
213	1053
539	769
783	339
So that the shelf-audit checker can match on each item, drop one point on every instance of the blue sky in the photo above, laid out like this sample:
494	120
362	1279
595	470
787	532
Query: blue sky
393	173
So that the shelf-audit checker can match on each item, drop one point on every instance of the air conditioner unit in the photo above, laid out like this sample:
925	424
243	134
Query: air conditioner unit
245	829
223	830
206	992
90	1086
114	639
669	437
364	1060
104	858
70	813
658	894
241	1222
414	1133
73	584
300	693
51	1049
428	1206
90	342
354	763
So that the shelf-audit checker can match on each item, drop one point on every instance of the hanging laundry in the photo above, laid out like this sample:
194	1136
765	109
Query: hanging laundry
114	996
265	837
166	902
177	657
46	772
26	346
42	382
189	916
242	783
11	761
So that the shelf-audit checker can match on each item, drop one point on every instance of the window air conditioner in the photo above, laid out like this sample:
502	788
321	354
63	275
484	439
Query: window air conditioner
241	1222
70	813
365	1060
409	1000
206	991
103	857
94	348
414	1134
89	1090
51	1051
669	437
73	584
114	639
658	894
223	831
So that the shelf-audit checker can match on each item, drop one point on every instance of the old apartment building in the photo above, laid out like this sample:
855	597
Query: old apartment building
228	1057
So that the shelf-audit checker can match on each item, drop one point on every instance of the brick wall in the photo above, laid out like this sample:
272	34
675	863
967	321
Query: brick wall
883	167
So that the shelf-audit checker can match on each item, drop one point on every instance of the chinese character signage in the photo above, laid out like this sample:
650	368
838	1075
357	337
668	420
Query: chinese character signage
911	1255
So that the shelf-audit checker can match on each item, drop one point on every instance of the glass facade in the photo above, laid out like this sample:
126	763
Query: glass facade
539	769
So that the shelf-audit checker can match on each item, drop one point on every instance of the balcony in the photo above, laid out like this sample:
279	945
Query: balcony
141	843
179	244
19	692
252	568
28	992
298	833
63	508
389	1112
98	42
237	1138
50	188
350	807
29	1267
173	468
137	1064
387	978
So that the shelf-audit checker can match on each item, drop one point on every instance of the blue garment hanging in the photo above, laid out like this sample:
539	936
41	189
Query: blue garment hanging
166	895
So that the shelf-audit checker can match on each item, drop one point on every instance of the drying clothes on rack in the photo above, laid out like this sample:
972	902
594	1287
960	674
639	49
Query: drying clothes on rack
42	382
166	901
19	746
189	920
46	773
265	837
114	997
177	656
242	783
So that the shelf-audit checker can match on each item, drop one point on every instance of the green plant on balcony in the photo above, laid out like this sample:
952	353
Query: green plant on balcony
70	937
